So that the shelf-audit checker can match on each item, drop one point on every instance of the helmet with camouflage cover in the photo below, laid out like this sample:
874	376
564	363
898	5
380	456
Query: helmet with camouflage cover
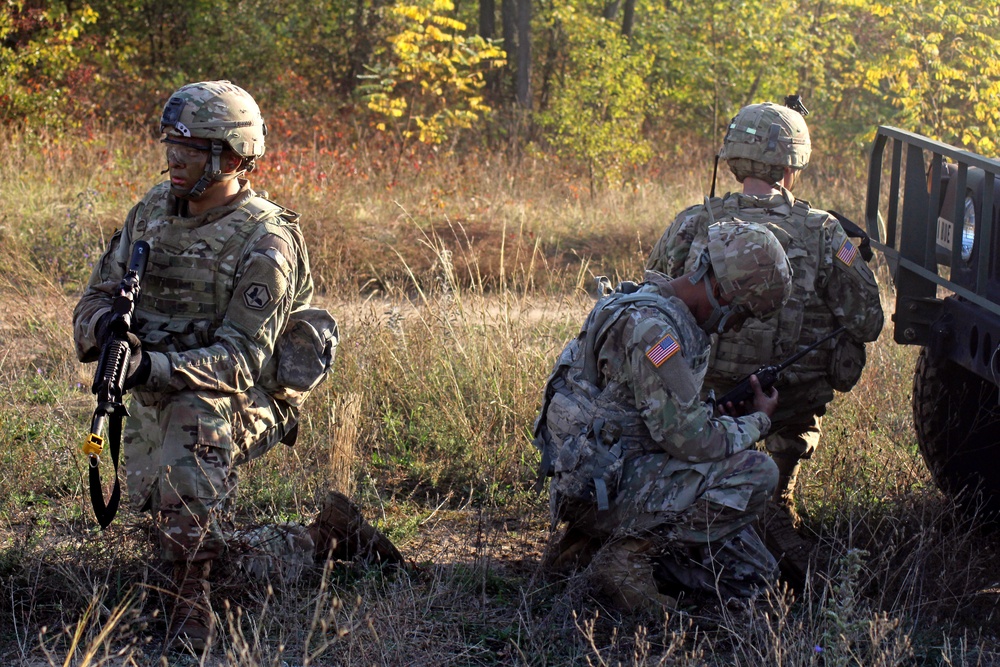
763	139
216	110
750	266
225	115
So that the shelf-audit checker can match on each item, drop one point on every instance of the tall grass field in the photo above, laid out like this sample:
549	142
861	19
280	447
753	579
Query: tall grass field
456	282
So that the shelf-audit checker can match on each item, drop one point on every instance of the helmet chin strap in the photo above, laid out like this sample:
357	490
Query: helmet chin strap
716	322
213	172
213	168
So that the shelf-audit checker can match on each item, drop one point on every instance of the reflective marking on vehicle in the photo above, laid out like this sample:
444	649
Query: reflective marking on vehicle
945	231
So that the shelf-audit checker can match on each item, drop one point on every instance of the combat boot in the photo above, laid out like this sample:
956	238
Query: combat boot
623	572
574	550
191	620
340	532
777	527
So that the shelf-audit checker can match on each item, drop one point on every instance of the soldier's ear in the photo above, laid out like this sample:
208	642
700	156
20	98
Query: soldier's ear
716	289
231	161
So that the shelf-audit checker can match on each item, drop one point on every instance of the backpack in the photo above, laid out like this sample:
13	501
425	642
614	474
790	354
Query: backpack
579	427
303	355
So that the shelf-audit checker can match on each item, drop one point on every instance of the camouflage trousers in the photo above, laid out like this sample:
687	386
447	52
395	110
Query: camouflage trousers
697	516
181	452
798	436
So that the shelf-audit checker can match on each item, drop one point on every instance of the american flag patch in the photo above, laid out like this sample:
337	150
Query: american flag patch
663	350
847	252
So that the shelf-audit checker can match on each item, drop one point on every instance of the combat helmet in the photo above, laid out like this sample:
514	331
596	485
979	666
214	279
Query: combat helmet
751	268
221	112
763	139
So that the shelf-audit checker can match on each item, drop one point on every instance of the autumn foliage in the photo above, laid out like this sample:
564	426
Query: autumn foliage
609	86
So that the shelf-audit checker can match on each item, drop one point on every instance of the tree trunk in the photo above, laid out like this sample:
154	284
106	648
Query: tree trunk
508	24
523	80
628	18
487	18
364	25
549	64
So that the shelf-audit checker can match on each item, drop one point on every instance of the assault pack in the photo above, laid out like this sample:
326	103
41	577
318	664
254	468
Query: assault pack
580	427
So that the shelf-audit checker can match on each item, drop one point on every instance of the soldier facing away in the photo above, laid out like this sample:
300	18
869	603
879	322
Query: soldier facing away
765	147
667	486
225	344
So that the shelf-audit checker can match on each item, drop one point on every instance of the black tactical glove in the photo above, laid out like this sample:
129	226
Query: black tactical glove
102	330
139	364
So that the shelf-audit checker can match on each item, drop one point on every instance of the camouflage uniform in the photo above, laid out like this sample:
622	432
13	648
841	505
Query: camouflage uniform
678	477
832	284
229	345
218	292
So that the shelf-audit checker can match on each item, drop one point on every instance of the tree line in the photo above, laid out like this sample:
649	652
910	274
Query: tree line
592	79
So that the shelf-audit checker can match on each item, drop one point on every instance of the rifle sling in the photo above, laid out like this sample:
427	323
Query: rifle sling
105	512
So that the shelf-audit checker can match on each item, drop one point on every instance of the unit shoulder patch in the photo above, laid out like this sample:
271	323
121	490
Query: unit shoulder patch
257	296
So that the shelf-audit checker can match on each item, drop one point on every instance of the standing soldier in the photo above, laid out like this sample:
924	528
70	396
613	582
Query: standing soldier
225	346
665	485
766	146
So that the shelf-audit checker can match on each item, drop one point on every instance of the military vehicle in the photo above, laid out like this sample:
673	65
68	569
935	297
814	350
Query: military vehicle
932	209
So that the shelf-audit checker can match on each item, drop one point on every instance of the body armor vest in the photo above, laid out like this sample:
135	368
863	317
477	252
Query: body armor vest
803	320
191	273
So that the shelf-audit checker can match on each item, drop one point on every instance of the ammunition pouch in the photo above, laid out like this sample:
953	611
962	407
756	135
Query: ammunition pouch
847	361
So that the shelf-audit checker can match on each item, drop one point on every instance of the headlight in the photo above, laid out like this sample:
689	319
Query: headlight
968	228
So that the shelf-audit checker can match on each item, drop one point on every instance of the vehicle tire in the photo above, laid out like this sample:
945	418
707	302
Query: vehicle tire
957	420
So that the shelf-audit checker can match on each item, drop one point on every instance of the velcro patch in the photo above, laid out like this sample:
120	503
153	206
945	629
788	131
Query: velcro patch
257	296
847	252
662	350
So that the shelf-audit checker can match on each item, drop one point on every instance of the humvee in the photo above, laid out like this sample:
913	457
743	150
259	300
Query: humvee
932	210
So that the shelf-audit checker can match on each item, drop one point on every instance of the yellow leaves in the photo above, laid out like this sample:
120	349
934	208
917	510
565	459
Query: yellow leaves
415	14
437	35
88	15
450	23
432	85
880	10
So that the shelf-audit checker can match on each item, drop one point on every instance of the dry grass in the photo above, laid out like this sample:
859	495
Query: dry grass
454	290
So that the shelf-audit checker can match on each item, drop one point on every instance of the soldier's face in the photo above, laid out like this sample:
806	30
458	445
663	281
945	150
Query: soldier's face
737	314
186	160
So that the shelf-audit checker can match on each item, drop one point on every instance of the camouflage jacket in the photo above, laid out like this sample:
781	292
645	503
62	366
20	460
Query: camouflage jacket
831	286
651	359
217	293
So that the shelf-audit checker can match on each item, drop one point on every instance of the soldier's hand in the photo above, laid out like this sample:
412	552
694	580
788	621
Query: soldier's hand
139	363
763	402
102	330
731	409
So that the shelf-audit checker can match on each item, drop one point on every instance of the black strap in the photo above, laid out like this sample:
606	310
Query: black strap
105	512
855	232
715	174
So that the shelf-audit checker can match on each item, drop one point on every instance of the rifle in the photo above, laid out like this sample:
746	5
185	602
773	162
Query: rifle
768	375
109	385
